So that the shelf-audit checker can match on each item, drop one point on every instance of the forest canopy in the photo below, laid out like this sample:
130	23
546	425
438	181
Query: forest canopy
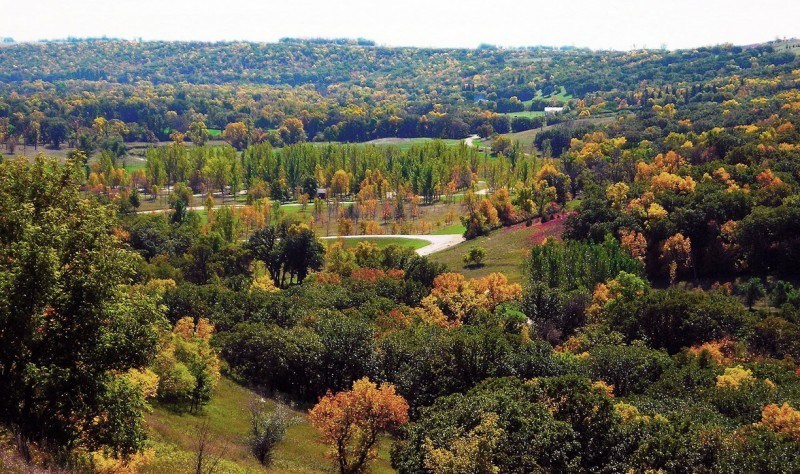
397	258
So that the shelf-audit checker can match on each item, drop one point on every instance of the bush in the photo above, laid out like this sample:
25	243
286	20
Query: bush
267	430
475	257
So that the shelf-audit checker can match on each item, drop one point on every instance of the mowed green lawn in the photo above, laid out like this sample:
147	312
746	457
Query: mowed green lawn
526	113
453	229
382	242
174	438
406	143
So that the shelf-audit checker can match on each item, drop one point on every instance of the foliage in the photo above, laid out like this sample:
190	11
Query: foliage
267	430
673	319
475	257
574	265
545	424
287	251
783	420
187	367
72	328
350	421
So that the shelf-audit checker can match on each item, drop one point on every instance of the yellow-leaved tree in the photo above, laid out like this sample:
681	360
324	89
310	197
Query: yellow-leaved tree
471	452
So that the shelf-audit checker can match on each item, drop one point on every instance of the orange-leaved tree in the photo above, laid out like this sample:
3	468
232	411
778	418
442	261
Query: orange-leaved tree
783	420
350	421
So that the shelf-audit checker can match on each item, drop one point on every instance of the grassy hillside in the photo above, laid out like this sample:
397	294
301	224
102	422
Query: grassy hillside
526	138
506	249
174	437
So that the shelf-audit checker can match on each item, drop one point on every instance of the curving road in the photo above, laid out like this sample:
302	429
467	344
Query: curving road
468	141
437	243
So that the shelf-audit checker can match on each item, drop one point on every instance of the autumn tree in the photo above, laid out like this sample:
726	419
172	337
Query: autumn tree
187	366
635	243
291	131
236	134
783	420
617	194
502	203
198	133
454	299
676	253
472	452
349	422
340	184
501	144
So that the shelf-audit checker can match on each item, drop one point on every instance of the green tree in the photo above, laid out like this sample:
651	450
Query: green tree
218	173
752	290
55	131
68	333
302	252
198	133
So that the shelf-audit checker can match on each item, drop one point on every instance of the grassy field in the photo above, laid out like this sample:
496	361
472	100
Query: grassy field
526	113
406	143
132	164
573	205
506	249
526	138
562	96
174	438
457	228
383	242
481	143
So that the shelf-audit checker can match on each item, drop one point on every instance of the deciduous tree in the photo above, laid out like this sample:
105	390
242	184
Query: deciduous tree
350	422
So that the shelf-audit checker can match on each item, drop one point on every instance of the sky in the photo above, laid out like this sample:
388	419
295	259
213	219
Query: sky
597	24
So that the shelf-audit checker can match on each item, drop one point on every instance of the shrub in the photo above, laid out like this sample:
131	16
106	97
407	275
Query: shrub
267	430
475	257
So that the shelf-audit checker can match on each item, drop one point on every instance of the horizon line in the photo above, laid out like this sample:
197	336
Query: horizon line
9	40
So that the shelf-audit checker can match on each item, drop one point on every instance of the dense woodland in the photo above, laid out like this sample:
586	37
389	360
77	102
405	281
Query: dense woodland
340	92
659	332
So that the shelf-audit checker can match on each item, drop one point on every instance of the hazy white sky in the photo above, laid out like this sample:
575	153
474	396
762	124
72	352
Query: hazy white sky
617	24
